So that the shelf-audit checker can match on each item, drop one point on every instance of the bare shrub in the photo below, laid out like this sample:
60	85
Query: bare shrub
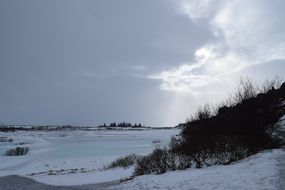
268	85
161	161
18	151
227	150
183	161
6	139
156	162
123	162
20	143
156	141
245	89
203	112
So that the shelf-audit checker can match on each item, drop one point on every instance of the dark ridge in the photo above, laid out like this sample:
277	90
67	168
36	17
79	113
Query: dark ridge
249	123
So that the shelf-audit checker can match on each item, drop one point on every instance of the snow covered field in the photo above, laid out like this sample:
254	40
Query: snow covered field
77	157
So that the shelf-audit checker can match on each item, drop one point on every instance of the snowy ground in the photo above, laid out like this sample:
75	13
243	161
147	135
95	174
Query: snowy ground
260	171
256	172
77	157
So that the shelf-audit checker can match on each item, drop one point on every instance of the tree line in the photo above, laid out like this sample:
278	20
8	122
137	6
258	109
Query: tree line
122	125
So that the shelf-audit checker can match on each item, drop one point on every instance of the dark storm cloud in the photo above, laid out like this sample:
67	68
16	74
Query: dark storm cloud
77	62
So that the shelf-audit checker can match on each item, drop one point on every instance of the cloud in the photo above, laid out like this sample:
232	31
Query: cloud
197	9
244	34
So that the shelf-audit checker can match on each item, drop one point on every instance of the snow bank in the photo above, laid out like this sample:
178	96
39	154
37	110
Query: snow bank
256	172
85	178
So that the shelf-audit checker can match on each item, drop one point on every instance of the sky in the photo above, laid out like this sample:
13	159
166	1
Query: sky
151	62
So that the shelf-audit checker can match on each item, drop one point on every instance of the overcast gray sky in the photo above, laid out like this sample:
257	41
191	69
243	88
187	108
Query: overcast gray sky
152	61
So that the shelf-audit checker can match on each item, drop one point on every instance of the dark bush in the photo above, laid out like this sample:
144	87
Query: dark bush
237	129
156	141
6	139
156	162
18	151
123	162
161	161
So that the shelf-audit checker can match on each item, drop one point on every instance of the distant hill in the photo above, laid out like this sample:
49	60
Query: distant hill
242	126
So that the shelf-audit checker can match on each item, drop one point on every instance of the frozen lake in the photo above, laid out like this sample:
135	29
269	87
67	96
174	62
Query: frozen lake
87	151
